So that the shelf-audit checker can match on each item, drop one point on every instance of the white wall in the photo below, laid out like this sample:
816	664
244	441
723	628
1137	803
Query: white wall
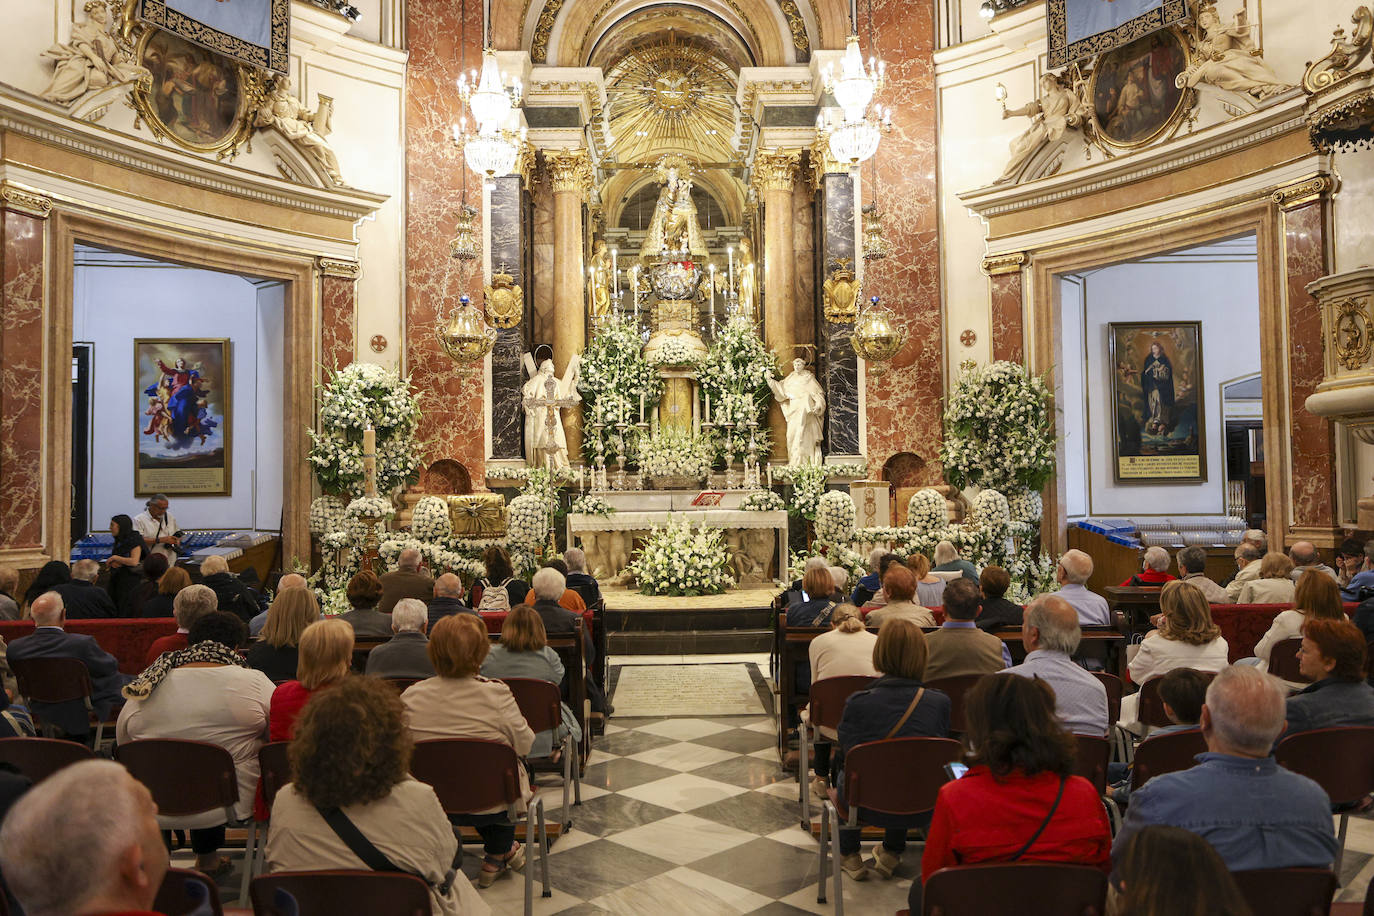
1220	287
114	303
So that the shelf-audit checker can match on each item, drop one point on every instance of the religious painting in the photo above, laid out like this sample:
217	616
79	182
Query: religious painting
1159	430
181	416
1134	98
197	98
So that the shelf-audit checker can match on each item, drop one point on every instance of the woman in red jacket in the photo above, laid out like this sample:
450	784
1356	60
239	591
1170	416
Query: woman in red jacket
1019	800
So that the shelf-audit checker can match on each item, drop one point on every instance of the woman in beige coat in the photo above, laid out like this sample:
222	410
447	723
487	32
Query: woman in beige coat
1274	585
460	704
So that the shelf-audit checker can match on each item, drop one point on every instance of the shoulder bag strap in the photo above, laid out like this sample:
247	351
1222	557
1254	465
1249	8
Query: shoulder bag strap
906	715
373	857
1043	824
824	616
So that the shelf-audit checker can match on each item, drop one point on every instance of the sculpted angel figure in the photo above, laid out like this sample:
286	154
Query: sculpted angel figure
91	60
1057	109
303	127
747	272
1227	58
544	396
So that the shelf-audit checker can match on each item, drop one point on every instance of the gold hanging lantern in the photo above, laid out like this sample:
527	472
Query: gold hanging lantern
876	246
466	245
876	336
465	337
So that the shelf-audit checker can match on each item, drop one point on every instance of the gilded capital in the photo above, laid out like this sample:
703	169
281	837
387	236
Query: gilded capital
337	267
823	162
775	170
569	170
524	164
1302	192
20	200
1009	263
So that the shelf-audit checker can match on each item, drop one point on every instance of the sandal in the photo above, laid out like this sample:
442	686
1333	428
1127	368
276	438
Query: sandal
495	868
223	868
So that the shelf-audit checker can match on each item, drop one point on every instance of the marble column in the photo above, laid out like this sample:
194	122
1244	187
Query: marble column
338	301
775	173
508	243
23	235
570	176
836	259
1004	280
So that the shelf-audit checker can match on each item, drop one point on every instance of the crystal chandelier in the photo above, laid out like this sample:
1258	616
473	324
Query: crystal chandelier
876	246
466	246
856	83
495	146
465	337
857	136
876	336
856	141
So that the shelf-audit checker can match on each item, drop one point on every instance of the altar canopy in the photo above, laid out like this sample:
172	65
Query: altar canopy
1083	28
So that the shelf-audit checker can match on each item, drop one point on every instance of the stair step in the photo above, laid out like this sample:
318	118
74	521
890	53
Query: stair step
687	642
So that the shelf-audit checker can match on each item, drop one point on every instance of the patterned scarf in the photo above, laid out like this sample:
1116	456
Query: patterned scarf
141	687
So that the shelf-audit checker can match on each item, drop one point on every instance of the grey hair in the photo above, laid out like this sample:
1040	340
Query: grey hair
409	614
409	559
576	559
840	575
1249	552
875	557
1256	536
1192	559
61	842
86	570
815	563
214	564
157	498
945	552
1057	622
47	609
1247	708
548	584
1077	566
192	603
448	586
1156	558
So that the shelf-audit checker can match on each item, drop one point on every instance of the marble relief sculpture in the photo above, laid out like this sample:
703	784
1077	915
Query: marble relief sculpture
544	396
91	61
1058	109
803	405
1226	57
305	129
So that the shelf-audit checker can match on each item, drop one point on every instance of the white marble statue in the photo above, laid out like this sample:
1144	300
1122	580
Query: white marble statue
544	396
1226	57
1058	109
803	405
305	128
90	61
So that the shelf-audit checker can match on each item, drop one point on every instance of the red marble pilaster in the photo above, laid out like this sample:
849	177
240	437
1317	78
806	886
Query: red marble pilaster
1313	437
903	398
21	381
1008	338
338	295
452	426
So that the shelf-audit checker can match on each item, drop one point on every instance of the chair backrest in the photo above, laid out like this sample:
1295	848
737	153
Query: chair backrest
52	680
1093	755
829	695
540	702
1283	660
1340	760
328	893
184	777
1151	708
274	765
39	758
185	891
1115	689
898	776
1165	754
956	688
1000	890
1287	891
468	774
362	648
402	683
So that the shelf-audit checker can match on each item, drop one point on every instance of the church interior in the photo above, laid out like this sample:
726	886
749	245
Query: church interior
675	298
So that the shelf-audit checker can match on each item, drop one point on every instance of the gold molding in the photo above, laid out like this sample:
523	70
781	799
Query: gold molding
1340	62
823	162
1303	191
775	170
570	170
336	267
548	16
22	200
1009	263
796	25
1350	332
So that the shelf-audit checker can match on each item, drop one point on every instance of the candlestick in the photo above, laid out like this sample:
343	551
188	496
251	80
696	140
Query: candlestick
730	253
370	460
615	267
641	406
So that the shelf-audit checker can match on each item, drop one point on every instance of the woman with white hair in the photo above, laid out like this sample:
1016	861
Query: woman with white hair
947	559
1154	569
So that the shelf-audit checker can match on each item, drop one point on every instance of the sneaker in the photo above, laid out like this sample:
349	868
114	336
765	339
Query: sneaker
819	786
885	862
853	866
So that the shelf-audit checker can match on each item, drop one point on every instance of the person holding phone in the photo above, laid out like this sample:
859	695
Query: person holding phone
159	528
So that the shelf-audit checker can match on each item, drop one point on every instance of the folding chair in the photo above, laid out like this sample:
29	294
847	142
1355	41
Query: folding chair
185	891
1093	755
1340	760
274	771
1165	754
541	703
471	776
895	776
956	688
329	893
1000	890
826	705
59	680
39	758
1287	891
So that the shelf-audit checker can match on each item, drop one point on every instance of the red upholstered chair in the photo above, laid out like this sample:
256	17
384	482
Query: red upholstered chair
1165	754
185	891
1287	891
956	688
39	758
895	776
541	703
1340	760
826	705
1283	660
329	893
1001	890
471	776
58	680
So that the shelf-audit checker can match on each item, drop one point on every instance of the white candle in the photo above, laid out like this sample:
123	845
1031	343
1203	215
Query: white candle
641	406
708	407
730	253
370	460
615	280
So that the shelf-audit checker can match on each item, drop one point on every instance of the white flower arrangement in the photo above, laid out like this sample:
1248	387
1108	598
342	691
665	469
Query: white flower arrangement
528	523
1026	506
355	397
678	560
999	429
669	453
370	507
734	376
591	504
835	514
991	512
808	483
439	556
763	501
429	521
926	511
326	515
830	469
675	352
614	379
333	601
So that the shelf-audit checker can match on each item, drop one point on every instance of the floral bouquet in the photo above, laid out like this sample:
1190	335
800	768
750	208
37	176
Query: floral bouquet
835	515
592	505
430	520
614	379
735	376
326	515
438	556
763	501
669	453
926	512
808	483
991	512
999	430
677	560
674	351
529	522
355	397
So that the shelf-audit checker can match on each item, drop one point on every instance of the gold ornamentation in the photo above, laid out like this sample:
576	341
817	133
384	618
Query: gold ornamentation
840	288
1061	52
1344	55
775	170
505	301
569	170
1302	192
23	201
797	26
1346	124
539	48
378	343
1009	263
274	58
1350	332
334	267
1110	136
823	162
524	164
481	515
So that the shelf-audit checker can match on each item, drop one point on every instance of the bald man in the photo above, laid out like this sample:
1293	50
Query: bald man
1050	632
448	599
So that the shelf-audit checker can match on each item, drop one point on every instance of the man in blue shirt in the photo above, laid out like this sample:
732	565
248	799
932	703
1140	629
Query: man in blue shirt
1252	811
1362	579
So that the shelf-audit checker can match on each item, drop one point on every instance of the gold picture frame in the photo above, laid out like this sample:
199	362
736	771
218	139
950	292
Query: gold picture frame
200	100
1159	408
1141	73
183	441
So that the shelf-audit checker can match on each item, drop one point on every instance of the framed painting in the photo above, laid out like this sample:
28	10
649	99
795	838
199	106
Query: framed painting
182	417
1134	98
200	100
1158	425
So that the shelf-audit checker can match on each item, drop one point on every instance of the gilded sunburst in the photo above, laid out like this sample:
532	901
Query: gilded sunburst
672	97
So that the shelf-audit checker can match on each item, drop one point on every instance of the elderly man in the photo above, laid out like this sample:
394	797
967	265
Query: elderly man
1192	562
190	604
1252	811
871	581
406	653
49	640
1304	556
947	559
1256	539
83	599
405	581
448	599
1154	569
1248	558
1075	568
578	578
571	600
899	584
84	842
1050	632
290	580
548	586
235	597
959	648
159	528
